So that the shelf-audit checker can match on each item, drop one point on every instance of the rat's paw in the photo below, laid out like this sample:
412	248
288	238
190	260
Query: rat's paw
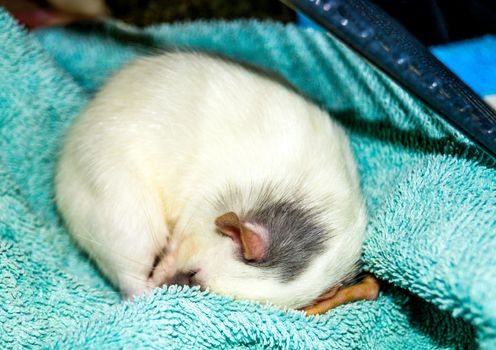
163	270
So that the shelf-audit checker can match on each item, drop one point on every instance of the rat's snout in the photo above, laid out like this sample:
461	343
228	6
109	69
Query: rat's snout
184	279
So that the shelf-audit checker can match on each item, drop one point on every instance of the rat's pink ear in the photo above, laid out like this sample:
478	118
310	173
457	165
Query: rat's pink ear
252	238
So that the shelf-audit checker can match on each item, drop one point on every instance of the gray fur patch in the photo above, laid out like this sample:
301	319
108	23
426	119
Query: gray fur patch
296	236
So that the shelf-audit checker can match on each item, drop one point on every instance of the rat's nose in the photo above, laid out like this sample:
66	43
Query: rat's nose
184	279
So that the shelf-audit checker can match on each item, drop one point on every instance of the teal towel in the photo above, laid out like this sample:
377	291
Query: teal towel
431	197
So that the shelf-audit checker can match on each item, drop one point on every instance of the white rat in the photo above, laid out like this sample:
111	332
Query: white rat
192	169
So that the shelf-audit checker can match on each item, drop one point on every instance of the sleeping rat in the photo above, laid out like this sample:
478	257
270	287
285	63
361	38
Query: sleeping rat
191	169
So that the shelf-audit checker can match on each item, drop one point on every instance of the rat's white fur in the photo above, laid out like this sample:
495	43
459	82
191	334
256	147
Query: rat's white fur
165	136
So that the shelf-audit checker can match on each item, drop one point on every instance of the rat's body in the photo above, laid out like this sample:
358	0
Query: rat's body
189	168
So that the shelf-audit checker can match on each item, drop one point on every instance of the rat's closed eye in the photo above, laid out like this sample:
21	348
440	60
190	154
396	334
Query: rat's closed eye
156	261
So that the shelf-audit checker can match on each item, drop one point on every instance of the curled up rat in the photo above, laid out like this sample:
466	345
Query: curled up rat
191	169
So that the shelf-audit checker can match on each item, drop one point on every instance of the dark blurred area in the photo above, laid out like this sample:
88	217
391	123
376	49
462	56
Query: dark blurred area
38	13
145	12
431	21
442	21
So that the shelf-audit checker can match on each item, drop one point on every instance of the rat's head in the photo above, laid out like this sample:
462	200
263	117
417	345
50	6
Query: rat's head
270	248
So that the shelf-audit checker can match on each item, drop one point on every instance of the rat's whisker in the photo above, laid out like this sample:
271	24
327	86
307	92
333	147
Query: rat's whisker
113	251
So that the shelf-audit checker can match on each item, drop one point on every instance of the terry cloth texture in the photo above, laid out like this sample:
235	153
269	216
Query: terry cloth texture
430	194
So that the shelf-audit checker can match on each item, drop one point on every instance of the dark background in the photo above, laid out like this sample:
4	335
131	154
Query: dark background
431	21
442	21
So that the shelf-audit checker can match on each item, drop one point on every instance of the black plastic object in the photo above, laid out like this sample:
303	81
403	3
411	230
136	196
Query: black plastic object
386	44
